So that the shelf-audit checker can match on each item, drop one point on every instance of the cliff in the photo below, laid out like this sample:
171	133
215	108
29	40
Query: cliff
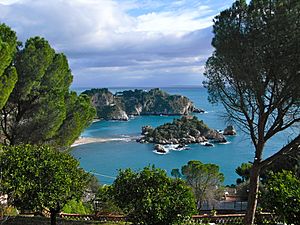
185	130
121	105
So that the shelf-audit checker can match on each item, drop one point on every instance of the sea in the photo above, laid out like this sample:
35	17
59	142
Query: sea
105	159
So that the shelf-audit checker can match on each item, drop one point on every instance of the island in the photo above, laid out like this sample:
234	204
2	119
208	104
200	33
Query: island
125	104
186	130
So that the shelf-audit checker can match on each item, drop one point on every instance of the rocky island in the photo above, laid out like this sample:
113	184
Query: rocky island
122	105
186	130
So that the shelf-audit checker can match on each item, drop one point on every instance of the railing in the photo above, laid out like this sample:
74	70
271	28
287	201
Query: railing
77	216
261	218
228	219
102	218
219	219
199	219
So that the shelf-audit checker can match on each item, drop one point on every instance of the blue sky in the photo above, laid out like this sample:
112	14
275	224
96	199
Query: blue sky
119	43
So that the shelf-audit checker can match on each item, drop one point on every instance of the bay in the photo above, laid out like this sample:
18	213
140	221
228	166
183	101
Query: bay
105	159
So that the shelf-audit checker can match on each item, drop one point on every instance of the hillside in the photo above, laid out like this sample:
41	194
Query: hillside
122	105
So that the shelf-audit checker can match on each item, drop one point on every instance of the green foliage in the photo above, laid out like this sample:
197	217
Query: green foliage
151	197
244	171
80	113
78	207
10	211
175	173
8	75
282	196
37	177
93	184
205	179
178	129
41	106
105	201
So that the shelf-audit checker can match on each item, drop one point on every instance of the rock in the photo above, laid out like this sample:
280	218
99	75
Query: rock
196	110
146	130
180	146
229	130
159	148
215	136
207	144
200	139
138	102
174	141
114	113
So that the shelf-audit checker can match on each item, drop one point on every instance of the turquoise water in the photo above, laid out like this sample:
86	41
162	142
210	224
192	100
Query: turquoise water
105	159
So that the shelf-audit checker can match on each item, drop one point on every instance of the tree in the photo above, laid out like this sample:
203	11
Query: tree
282	196
244	171
8	75
41	109
151	197
105	203
254	73
38	177
175	173
79	114
205	180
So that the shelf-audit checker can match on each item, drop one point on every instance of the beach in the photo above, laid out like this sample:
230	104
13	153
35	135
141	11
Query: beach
88	140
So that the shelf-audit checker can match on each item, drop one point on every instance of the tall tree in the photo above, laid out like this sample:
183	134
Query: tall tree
255	73
40	177
41	106
205	180
151	197
244	171
8	75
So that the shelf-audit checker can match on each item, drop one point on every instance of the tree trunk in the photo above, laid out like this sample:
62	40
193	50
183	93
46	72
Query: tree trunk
53	214
253	194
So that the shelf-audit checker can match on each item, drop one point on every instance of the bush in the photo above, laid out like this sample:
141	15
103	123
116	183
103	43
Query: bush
282	195
78	207
151	197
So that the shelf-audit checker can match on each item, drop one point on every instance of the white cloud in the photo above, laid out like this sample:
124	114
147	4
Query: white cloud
105	36
170	23
8	2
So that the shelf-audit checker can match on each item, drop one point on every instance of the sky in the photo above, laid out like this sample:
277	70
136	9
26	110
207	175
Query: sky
122	43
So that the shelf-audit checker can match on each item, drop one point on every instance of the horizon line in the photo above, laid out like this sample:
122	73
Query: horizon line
147	87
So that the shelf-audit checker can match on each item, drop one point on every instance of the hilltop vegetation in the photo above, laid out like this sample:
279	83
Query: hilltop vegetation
186	130
123	104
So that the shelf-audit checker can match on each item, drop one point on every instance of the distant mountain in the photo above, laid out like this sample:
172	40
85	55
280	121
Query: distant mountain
122	105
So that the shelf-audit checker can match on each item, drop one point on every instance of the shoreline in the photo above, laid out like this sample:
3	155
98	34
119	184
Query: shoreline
89	140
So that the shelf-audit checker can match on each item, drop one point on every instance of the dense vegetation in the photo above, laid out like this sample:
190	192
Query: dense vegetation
185	130
37	108
282	196
38	177
151	197
254	73
41	109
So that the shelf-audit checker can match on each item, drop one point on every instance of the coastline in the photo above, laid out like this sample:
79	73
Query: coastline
89	140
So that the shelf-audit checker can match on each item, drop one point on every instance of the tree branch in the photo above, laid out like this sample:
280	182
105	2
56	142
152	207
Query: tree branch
291	147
